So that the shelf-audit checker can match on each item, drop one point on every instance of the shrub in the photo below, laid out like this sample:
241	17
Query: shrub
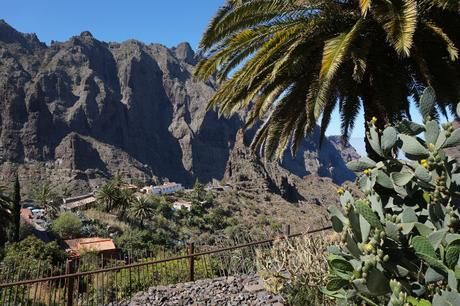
67	226
296	269
400	243
31	254
25	229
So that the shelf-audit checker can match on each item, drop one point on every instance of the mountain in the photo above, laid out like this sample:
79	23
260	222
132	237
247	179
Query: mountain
347	151
253	176
78	112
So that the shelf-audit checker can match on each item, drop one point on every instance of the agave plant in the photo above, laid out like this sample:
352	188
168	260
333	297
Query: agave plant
290	62
400	242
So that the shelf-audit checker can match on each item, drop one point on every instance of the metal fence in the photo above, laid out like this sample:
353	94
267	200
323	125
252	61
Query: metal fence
115	280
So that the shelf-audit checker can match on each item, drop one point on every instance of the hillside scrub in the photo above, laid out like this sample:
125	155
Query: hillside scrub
67	226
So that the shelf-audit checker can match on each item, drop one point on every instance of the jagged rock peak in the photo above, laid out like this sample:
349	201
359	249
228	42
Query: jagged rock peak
10	35
86	34
185	52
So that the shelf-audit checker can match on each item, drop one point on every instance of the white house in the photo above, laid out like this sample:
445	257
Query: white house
166	188
179	204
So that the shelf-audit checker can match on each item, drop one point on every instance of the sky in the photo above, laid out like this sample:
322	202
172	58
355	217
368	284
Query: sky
168	22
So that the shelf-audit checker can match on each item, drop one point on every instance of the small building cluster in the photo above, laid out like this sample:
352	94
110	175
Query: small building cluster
166	188
80	202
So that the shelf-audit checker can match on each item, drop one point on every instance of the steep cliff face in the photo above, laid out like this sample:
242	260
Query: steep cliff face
347	152
85	110
251	174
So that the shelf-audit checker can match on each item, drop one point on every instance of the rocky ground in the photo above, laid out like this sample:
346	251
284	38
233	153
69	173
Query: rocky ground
241	290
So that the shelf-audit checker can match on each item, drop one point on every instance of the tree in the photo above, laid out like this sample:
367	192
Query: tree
16	209
46	198
5	214
126	197
199	192
108	196
67	226
140	210
32	255
290	62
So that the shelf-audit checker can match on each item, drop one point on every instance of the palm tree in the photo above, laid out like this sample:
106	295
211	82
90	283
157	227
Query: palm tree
108	196
291	62
126	197
5	213
46	198
140	210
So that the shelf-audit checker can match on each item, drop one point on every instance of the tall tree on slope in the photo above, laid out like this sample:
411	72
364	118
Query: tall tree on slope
16	208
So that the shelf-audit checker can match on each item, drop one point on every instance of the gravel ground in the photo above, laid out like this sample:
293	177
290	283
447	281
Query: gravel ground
231	291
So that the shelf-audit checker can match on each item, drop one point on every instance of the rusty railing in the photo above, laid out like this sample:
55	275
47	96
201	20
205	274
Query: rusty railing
115	281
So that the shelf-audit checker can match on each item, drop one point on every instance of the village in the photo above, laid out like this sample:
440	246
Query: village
179	199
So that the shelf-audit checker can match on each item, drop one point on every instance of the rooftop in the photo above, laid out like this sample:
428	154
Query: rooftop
94	244
80	202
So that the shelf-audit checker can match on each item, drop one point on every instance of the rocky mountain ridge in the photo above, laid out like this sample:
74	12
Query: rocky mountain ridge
81	111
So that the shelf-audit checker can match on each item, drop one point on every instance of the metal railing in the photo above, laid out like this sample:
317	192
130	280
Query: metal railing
117	280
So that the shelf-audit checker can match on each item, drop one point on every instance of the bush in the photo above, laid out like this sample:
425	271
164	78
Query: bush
400	243
67	226
296	269
135	239
25	229
30	254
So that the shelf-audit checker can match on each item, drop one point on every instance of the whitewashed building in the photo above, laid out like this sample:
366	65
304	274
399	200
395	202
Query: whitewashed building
179	204
166	188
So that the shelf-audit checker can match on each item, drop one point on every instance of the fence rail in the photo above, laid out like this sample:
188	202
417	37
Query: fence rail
117	282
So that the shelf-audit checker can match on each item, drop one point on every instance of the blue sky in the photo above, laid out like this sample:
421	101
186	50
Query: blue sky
162	21
168	22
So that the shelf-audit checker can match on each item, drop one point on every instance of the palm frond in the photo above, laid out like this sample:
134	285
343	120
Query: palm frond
335	50
243	16
364	6
349	110
326	119
399	20
451	48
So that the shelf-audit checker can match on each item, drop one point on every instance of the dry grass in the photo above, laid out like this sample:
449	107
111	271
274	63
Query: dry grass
106	218
297	268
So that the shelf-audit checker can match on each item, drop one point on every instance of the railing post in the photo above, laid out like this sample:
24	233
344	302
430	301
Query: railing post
191	262
287	229
70	282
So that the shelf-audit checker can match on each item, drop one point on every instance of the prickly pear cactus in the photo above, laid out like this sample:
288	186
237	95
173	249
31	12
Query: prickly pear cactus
400	243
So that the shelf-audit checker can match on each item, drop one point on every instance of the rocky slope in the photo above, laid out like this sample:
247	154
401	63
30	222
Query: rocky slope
347	152
80	111
253	176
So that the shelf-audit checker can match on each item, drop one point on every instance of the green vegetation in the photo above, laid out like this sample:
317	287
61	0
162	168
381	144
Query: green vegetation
112	197
47	198
31	254
292	61
67	226
400	243
5	215
140	210
144	222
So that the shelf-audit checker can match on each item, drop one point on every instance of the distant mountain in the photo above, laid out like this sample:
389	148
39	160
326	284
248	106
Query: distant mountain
78	112
349	150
